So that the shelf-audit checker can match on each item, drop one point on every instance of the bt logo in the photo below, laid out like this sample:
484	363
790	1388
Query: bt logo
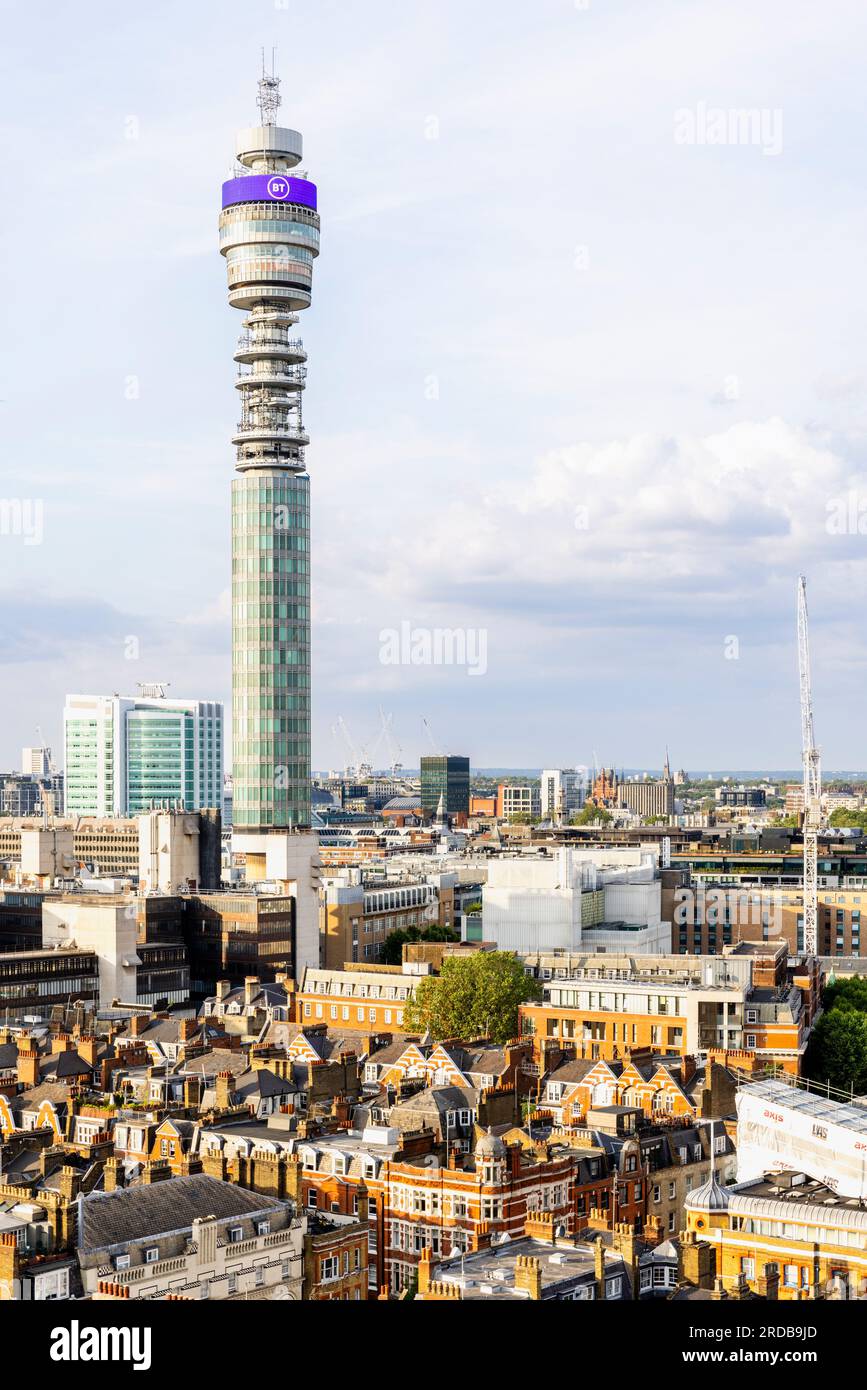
278	187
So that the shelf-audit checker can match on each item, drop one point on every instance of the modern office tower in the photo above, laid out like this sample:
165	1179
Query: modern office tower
126	755
269	236
560	793
36	762
447	777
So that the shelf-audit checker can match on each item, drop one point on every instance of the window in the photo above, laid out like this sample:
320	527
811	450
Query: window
750	1040
656	1192
121	1262
152	1254
260	1276
671	1216
232	1284
330	1268
791	1276
236	1233
263	1228
748	1267
312	1197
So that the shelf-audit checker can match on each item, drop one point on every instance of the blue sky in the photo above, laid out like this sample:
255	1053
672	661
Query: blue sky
574	383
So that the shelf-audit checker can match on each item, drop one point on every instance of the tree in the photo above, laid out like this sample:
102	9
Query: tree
475	996
853	820
392	947
838	1050
592	815
846	994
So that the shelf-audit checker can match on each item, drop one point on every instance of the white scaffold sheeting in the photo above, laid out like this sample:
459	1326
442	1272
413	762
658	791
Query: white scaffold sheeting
782	1127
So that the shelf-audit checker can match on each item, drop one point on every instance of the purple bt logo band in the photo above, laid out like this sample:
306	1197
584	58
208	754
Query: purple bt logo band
278	188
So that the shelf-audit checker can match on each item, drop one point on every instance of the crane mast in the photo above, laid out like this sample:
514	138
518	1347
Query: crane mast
812	780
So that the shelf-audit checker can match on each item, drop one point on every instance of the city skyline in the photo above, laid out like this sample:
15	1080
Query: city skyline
679	454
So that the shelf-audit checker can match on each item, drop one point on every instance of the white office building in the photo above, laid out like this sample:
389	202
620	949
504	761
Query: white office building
126	755
607	899
560	793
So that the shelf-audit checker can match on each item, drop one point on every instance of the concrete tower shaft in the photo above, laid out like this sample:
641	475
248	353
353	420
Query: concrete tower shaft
269	236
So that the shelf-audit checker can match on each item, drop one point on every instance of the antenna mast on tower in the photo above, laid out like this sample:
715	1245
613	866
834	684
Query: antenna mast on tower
812	759
268	99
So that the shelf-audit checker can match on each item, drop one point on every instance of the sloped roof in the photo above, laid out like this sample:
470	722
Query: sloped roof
111	1218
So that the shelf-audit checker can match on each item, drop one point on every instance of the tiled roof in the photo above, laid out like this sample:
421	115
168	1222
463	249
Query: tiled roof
110	1218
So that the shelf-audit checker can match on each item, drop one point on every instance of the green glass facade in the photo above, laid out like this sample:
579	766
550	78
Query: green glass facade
447	777
160	761
271	647
125	756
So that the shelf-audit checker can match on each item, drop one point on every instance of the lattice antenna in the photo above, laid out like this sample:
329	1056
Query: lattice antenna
268	99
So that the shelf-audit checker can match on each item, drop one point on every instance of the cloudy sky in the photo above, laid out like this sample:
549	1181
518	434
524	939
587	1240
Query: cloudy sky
587	365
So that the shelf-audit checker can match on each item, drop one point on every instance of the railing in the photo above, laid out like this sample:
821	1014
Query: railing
298	374
293	431
248	344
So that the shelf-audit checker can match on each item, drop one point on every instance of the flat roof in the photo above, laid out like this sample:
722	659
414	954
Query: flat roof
491	1272
847	1114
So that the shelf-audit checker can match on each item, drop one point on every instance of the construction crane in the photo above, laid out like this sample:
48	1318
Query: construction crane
434	745
391	743
812	815
359	767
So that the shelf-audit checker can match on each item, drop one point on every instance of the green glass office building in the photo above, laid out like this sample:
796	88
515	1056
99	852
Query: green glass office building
126	755
447	777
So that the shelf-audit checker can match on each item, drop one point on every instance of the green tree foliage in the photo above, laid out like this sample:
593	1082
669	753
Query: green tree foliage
592	815
853	820
846	994
476	995
838	1050
837	1053
392	947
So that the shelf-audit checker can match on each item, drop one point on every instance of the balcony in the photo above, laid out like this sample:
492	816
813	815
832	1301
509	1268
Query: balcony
250	348
248	433
289	378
